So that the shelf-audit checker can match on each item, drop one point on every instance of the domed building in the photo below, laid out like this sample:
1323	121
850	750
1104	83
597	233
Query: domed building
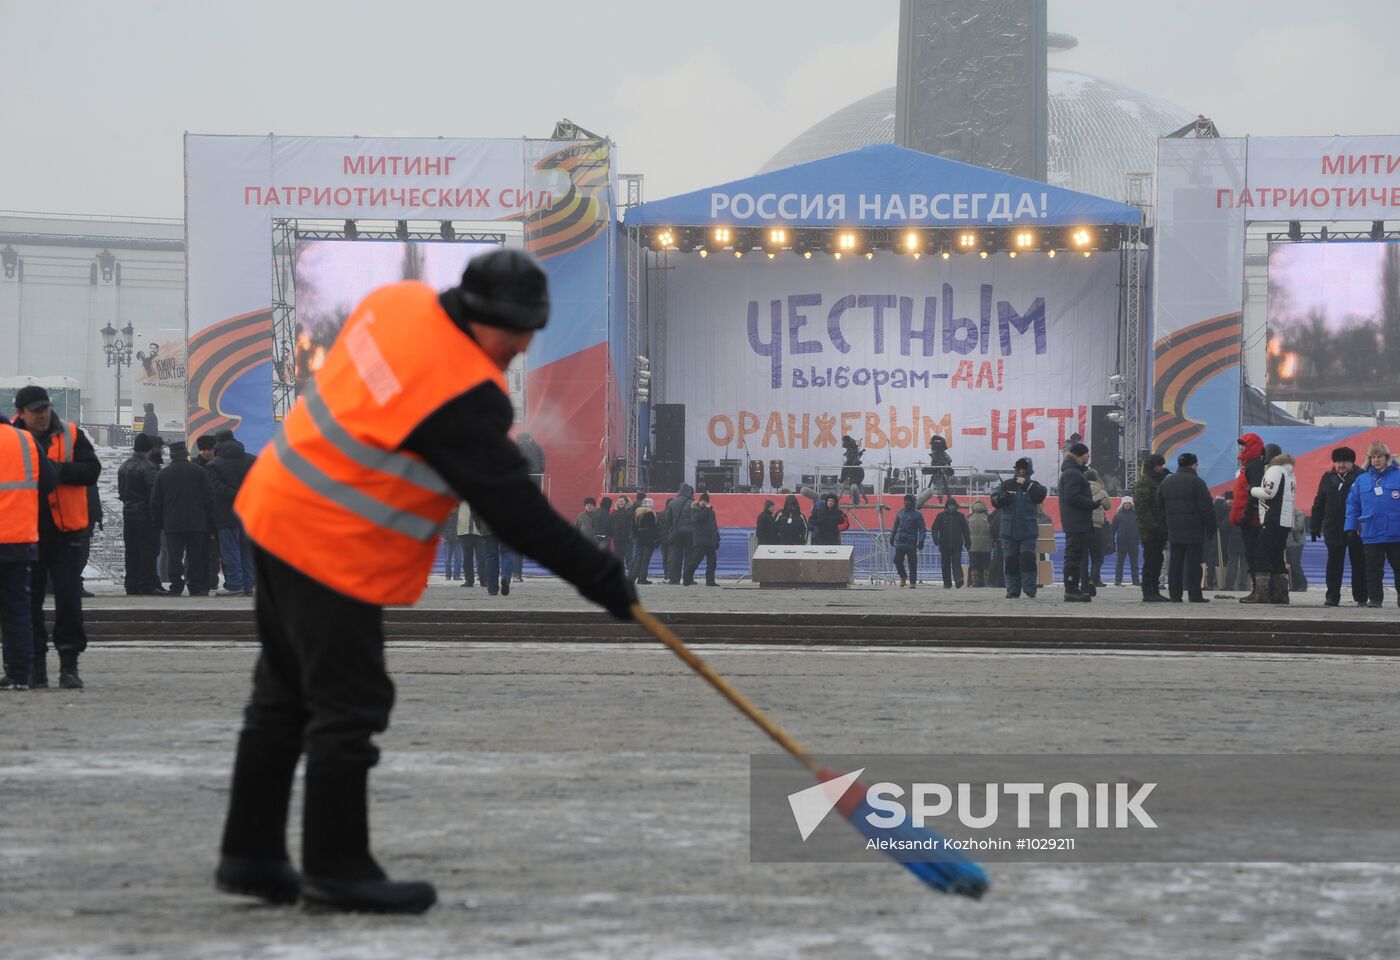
1099	132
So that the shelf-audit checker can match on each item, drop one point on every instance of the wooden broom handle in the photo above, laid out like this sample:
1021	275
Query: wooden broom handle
661	632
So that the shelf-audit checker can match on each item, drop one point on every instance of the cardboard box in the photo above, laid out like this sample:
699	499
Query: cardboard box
1045	573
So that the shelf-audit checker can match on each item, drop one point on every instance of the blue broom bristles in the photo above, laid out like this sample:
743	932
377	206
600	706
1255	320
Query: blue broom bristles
925	857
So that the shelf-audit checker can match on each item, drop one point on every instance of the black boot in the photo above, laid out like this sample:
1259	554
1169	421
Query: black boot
340	873
39	675
68	677
253	854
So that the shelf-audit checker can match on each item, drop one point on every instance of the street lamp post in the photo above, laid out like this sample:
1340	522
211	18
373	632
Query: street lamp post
118	350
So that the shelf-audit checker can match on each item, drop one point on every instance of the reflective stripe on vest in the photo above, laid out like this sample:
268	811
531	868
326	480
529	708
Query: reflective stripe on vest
19	497
361	504
395	464
67	502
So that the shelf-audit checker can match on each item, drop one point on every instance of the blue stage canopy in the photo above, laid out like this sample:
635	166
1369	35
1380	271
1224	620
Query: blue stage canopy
883	186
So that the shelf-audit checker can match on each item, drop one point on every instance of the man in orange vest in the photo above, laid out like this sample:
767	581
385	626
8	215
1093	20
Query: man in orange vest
26	476
408	413
63	531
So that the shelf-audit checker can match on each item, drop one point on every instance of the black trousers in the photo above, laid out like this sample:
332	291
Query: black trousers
692	563
188	557
641	563
951	562
1377	556
60	563
141	541
1076	559
1152	564
1185	572
320	684
1337	554
1251	548
1273	541
901	554
680	556
1096	555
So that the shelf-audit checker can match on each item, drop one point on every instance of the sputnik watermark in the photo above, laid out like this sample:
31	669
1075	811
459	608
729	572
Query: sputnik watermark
1093	805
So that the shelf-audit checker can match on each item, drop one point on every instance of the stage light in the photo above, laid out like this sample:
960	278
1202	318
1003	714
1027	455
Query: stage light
1116	399
806	254
777	238
664	238
1011	254
1295	230
703	253
1117	380
447	231
836	255
847	241
1081	237
721	238
1023	240
984	254
946	254
917	254
738	254
912	242
1088	254
1377	229
870	254
771	254
1050	253
967	240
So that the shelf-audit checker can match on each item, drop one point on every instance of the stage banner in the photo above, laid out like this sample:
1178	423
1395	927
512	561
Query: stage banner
557	195
779	359
160	381
1318	178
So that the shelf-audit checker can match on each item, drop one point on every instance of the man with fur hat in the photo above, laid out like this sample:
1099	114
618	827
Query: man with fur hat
1276	495
135	480
408	413
1328	520
1373	517
1190	515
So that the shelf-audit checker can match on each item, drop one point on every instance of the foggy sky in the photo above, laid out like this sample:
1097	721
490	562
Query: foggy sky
97	94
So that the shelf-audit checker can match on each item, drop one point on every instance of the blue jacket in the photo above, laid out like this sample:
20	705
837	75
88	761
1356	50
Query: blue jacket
1018	509
909	530
1376	515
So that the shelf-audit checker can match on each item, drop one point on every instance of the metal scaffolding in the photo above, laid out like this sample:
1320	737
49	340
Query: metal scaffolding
1134	251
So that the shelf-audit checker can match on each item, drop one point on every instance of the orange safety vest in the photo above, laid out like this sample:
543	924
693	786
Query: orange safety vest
333	495
68	503
19	486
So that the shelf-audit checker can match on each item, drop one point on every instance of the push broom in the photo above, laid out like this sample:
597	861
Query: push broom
951	873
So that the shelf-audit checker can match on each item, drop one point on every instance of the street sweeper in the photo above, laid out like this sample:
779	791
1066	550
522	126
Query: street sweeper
408	413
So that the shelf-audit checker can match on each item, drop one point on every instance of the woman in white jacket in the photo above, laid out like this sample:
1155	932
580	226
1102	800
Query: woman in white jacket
1276	494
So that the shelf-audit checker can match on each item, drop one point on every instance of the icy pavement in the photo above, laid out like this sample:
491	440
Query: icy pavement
591	801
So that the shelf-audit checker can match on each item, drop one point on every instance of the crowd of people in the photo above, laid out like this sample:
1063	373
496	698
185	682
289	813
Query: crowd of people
1171	534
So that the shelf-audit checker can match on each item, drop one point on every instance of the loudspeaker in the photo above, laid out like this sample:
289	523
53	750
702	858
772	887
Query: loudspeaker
665	476
1105	443
668	421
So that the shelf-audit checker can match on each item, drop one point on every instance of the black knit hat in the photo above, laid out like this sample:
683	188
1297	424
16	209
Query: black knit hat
1187	460
1344	455
1156	460
505	288
141	443
1078	449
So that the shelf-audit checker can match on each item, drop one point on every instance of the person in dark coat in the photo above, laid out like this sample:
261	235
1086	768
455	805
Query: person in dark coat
647	535
1018	500
908	539
1236	562
1124	531
182	507
704	542
852	473
790	524
682	528
766	526
1077	507
150	422
1190	514
226	471
1328	520
603	524
951	534
827	521
663	537
587	522
205	446
60	550
1152	525
534	456
136	478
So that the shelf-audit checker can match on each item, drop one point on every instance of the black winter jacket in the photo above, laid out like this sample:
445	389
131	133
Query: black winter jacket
705	528
791	527
182	499
950	530
766	529
1076	499
1329	509
1018	506
1187	505
226	471
135	480
825	524
682	523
